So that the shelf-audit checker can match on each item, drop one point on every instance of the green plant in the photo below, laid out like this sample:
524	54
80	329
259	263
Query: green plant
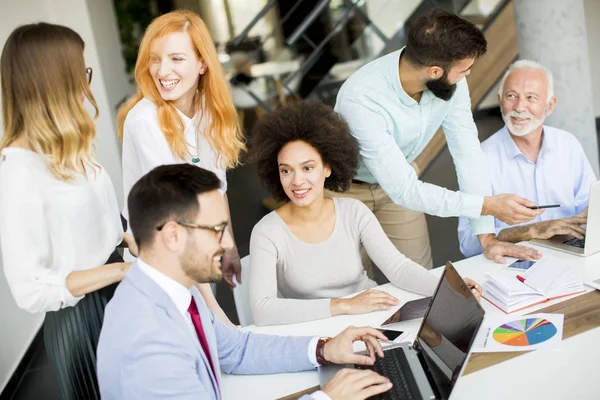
133	16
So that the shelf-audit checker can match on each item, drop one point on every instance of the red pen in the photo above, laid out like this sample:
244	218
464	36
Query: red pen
522	280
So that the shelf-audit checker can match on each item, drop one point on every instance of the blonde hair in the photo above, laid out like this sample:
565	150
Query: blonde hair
43	81
224	133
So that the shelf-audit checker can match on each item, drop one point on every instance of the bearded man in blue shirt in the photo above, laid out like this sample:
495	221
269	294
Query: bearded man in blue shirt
394	105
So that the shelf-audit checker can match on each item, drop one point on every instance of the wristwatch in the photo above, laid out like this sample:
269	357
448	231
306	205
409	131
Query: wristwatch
321	351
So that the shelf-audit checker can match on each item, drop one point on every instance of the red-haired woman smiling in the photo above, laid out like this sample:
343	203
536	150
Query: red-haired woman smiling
182	113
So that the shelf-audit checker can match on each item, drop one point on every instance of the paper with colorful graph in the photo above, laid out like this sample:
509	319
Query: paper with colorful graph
499	332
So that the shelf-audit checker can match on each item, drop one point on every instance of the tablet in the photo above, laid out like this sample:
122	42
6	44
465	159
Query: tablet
411	310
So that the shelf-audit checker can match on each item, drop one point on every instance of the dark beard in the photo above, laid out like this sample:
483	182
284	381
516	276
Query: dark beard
441	88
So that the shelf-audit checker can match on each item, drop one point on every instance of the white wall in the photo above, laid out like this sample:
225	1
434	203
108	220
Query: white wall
94	20
592	21
112	64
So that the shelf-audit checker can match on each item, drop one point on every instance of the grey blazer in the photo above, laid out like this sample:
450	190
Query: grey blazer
147	350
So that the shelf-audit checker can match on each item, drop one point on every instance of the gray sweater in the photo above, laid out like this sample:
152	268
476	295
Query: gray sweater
293	281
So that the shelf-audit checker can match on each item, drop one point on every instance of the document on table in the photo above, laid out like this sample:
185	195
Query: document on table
547	279
500	333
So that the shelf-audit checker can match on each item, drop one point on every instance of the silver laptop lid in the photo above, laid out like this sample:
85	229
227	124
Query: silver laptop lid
448	330
592	234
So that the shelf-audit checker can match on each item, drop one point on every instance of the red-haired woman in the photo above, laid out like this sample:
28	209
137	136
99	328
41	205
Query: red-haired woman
182	113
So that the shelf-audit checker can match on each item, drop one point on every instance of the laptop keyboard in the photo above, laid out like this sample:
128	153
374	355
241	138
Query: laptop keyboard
395	367
575	242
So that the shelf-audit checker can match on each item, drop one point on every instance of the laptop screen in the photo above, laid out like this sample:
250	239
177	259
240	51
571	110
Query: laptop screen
448	329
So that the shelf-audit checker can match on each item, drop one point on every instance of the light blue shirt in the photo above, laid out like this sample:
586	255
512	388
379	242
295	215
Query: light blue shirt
562	175
392	129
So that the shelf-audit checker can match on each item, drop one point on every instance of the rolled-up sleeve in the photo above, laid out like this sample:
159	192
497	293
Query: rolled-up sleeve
387	163
470	162
469	244
26	248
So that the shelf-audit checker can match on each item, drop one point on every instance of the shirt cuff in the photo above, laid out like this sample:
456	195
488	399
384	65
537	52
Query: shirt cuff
320	395
483	225
312	352
471	205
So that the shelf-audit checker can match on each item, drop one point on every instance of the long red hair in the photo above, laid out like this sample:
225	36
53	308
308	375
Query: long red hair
213	98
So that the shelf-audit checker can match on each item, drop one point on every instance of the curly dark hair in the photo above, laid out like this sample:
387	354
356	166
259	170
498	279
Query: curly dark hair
314	123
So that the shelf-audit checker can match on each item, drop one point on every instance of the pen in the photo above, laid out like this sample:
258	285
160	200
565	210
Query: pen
547	206
522	280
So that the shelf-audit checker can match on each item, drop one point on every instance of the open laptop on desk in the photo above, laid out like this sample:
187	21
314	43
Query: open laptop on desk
429	367
591	243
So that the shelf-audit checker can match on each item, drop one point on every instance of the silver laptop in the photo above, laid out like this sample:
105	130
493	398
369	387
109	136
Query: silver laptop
429	367
591	243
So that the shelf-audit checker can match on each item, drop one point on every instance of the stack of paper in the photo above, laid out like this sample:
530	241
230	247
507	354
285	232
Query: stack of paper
548	279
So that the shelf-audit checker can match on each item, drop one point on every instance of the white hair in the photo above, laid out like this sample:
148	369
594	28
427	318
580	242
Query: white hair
529	64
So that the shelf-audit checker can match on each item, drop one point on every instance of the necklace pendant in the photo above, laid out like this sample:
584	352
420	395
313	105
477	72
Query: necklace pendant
195	160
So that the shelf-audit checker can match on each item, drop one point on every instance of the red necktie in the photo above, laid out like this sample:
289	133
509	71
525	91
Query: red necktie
193	310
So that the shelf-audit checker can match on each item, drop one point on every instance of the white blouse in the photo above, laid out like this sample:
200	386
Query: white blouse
145	147
50	228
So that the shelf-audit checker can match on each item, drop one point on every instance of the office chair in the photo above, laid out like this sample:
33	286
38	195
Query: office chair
240	295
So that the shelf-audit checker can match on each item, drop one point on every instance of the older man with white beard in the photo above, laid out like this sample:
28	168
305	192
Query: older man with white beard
538	162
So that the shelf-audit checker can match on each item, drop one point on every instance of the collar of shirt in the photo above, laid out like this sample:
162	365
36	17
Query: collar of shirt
512	150
187	121
405	99
179	294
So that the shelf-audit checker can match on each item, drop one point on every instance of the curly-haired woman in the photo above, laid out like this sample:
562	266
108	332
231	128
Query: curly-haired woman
306	255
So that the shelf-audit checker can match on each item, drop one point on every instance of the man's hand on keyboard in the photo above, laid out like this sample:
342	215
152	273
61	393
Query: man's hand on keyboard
356	384
563	226
340	349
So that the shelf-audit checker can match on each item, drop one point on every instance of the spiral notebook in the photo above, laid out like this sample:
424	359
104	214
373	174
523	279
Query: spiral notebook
548	279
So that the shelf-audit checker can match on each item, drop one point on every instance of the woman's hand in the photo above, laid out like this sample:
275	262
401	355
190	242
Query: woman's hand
231	266
362	303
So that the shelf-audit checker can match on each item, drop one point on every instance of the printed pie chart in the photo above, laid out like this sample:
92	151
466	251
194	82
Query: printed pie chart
524	332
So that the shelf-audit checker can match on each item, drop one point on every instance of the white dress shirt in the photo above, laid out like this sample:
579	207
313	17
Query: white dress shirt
50	228
145	146
392	129
181	297
561	175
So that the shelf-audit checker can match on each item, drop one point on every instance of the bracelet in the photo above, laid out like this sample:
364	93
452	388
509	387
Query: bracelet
321	351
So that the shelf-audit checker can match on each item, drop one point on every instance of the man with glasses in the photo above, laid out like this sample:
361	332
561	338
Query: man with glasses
159	339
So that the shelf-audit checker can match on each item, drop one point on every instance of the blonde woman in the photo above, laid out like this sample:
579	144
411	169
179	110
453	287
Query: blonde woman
182	113
59	218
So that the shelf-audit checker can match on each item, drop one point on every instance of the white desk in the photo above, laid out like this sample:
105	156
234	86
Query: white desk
568	372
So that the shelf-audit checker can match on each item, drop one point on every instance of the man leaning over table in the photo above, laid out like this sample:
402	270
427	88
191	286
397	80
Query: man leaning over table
159	339
394	105
533	160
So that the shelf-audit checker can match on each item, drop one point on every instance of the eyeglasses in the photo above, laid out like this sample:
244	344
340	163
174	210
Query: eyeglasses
218	229
88	72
